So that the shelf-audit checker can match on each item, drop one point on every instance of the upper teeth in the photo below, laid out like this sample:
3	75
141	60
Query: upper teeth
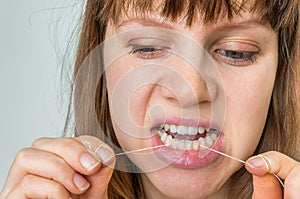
184	130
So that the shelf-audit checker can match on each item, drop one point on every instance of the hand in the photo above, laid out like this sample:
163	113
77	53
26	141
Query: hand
60	168
265	183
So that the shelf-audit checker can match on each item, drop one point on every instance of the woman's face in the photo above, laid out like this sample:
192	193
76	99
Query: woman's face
207	84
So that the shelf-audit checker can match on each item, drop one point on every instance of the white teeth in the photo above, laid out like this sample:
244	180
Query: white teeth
201	130
201	141
182	130
163	138
166	127
187	130
173	128
192	130
169	140
174	144
196	145
188	145
214	137
209	140
181	145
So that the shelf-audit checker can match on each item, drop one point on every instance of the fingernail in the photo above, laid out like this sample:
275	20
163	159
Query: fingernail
104	153
81	182
256	162
88	161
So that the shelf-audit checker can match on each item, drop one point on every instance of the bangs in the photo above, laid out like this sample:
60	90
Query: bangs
278	13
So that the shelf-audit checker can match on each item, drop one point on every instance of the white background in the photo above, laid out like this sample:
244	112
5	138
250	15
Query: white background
33	37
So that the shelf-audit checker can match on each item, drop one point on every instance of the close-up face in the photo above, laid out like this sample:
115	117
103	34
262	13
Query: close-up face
187	87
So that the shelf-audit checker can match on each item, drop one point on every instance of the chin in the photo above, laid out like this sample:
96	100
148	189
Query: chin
173	182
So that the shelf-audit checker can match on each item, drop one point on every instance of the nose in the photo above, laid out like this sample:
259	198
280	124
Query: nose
188	85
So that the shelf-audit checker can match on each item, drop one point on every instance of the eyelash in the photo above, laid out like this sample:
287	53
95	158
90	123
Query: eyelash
149	52
237	58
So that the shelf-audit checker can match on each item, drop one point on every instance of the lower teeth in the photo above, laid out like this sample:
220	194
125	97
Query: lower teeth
195	145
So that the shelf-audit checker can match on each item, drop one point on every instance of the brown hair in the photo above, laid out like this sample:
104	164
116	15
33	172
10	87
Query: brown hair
282	125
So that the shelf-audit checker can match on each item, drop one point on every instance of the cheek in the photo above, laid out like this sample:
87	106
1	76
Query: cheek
139	109
248	95
125	86
128	104
115	72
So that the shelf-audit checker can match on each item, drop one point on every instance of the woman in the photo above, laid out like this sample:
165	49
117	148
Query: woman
178	75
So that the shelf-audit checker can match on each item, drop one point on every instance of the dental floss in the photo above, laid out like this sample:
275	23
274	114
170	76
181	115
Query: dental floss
143	149
234	158
224	154
266	161
268	165
280	181
221	153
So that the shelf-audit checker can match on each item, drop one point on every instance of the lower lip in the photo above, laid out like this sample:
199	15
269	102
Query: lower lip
186	159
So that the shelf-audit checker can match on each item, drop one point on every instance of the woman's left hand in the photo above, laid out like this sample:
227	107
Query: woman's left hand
265	183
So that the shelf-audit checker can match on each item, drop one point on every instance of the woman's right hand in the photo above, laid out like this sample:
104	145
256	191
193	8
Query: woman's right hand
60	168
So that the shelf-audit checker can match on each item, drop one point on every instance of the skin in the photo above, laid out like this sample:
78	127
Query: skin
37	171
247	86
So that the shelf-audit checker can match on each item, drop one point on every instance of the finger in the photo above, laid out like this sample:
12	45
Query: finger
292	184
271	162
99	148
72	151
37	187
69	149
266	186
46	165
99	181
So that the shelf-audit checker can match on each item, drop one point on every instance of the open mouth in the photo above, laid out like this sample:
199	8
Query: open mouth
187	143
187	137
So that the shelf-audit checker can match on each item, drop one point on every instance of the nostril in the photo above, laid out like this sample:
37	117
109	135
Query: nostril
187	87
168	94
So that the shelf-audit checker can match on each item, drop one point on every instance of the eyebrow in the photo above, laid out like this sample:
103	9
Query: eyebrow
217	27
148	22
241	25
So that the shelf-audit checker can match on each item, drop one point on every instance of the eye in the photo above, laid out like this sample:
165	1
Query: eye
149	52
150	47
236	58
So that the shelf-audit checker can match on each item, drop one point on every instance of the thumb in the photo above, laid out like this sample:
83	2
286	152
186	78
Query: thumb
99	181
266	186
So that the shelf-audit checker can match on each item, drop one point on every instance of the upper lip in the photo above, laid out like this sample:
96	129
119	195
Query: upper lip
185	122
